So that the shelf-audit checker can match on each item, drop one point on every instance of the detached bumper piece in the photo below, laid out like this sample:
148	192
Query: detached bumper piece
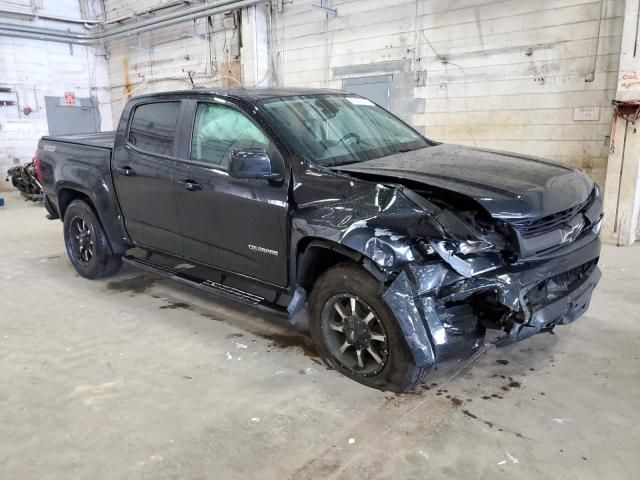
445	316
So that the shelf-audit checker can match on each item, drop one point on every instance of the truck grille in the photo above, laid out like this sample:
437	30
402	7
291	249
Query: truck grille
540	226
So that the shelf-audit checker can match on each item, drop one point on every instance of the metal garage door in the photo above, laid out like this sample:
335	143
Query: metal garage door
63	119
377	89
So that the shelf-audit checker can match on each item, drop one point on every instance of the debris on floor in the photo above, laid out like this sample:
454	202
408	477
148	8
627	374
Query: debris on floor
512	458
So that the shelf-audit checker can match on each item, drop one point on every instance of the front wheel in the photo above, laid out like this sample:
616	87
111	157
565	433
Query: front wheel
86	242
356	333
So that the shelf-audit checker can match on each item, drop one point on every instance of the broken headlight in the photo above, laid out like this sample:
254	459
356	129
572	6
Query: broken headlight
475	246
461	233
474	235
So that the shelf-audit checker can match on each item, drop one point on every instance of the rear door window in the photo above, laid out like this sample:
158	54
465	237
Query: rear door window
153	127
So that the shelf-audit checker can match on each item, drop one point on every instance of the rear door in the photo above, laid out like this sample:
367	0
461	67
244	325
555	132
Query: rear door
143	176
236	225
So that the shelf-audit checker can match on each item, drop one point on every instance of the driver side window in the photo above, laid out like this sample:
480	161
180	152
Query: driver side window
218	130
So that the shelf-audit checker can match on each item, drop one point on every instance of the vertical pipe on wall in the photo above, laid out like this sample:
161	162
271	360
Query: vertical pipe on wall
327	47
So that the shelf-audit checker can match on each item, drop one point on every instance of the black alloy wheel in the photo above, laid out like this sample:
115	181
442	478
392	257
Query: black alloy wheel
354	334
82	240
86	242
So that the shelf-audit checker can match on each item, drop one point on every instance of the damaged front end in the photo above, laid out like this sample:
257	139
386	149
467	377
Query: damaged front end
478	275
451	271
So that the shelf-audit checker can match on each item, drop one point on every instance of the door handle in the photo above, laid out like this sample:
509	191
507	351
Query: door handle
191	185
126	171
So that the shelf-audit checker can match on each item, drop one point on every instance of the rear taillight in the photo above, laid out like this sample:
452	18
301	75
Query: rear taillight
36	162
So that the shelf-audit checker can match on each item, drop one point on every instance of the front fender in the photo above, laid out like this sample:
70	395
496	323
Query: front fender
347	222
350	224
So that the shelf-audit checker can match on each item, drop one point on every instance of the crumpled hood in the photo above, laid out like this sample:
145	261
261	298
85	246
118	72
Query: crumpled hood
505	184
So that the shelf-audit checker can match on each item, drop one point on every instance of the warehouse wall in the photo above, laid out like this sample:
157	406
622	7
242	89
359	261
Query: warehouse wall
161	59
515	75
33	69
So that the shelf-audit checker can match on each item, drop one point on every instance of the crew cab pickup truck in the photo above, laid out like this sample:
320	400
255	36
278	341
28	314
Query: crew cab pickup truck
396	251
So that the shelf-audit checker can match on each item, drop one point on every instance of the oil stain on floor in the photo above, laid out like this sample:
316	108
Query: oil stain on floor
175	305
141	283
298	341
134	285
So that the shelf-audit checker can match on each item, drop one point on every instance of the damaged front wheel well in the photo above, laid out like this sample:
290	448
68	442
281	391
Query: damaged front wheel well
317	256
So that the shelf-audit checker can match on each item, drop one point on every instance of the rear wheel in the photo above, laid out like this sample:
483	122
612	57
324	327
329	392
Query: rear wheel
356	333
86	242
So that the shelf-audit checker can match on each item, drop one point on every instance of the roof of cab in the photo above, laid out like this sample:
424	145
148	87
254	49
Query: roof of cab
249	94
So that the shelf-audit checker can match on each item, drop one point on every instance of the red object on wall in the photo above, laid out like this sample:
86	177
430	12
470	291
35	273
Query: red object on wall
70	99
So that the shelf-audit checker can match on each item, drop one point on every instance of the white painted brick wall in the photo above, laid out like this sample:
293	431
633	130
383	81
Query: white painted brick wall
499	101
173	52
35	69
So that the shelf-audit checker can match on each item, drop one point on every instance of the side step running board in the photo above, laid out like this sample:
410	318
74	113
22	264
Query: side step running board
206	285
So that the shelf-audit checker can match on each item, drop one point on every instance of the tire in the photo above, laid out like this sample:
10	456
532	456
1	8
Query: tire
86	243
339	285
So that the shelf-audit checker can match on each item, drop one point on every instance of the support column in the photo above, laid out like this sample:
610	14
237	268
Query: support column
255	47
622	185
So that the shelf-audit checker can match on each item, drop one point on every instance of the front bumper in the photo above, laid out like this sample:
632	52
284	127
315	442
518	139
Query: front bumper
560	311
436	310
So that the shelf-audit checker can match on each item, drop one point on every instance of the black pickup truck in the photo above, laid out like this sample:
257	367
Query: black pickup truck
397	251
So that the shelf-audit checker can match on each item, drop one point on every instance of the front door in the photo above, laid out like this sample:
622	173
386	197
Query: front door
233	224
143	177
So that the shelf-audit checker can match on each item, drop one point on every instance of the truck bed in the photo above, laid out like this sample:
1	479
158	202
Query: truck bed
100	140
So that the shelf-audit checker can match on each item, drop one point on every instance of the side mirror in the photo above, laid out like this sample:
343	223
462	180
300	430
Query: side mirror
252	164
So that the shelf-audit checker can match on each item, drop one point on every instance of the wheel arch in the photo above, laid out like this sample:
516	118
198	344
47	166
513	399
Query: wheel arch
108	221
68	195
314	256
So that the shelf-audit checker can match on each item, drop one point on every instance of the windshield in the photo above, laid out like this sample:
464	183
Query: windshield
334	130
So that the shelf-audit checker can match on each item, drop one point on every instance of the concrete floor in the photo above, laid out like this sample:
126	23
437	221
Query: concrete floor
138	377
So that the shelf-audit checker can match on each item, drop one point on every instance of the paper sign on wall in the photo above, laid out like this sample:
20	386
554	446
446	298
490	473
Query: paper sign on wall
585	114
70	99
